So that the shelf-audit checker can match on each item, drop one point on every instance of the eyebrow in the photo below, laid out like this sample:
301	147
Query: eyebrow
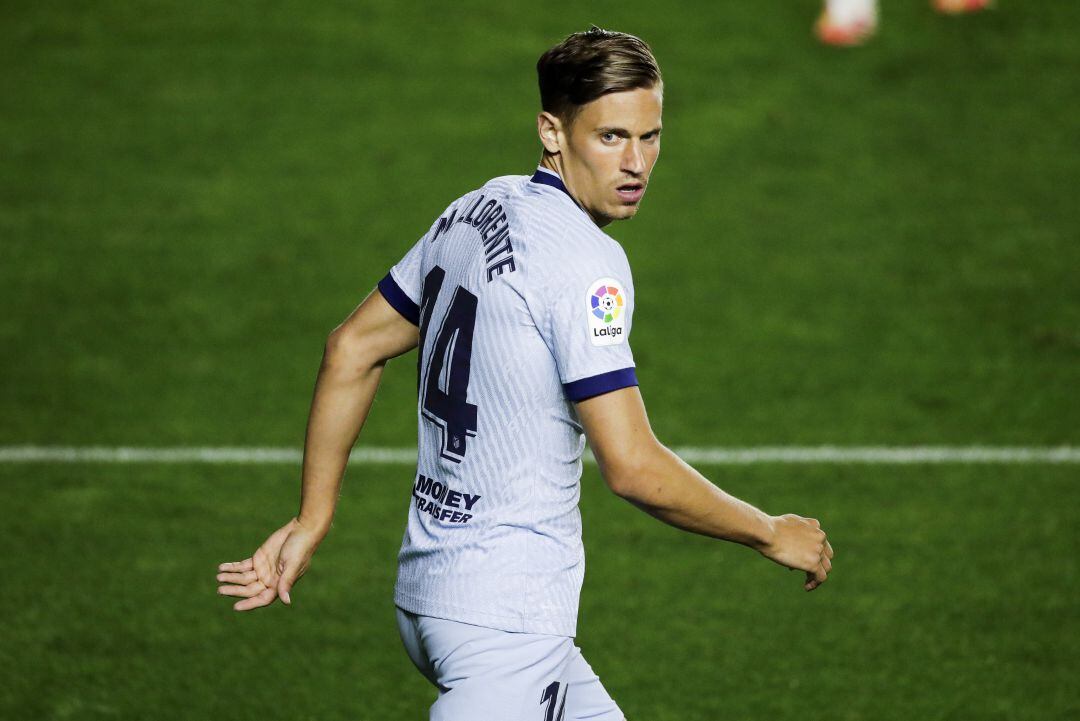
624	133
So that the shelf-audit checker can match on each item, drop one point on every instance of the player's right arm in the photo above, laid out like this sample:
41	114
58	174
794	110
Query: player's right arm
353	360
637	467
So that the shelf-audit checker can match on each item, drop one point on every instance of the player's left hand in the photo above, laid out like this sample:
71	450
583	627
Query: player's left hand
272	570
800	544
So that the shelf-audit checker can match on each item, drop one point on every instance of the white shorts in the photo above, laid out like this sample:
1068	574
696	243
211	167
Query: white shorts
488	675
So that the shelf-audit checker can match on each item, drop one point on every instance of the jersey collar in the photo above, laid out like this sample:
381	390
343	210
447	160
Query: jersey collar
548	177
543	176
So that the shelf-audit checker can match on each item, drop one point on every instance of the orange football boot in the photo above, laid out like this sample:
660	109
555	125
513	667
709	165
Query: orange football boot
959	7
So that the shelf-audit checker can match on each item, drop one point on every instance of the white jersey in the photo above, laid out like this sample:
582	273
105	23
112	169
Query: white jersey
524	306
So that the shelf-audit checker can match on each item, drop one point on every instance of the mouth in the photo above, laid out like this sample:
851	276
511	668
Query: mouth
630	192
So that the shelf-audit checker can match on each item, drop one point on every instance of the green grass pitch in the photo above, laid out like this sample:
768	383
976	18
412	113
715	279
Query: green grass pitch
851	248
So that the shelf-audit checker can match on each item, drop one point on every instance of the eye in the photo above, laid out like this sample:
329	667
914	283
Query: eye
608	137
650	138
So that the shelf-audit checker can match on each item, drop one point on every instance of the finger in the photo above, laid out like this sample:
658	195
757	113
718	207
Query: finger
247	591
826	564
283	593
242	579
263	599
815	579
289	575
828	549
814	522
820	574
237	566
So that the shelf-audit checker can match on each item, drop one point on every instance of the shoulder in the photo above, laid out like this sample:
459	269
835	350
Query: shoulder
567	268
558	238
489	203
577	254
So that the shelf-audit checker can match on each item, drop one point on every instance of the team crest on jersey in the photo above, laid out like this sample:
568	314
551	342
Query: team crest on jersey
607	305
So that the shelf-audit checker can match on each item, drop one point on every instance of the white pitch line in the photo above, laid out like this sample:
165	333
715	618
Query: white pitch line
707	455
880	454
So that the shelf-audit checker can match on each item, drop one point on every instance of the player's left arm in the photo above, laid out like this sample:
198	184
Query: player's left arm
637	467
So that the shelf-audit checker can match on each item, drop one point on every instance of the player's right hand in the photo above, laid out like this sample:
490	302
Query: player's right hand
272	570
799	543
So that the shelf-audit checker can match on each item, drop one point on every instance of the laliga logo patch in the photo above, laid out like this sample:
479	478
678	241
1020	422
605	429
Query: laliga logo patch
606	302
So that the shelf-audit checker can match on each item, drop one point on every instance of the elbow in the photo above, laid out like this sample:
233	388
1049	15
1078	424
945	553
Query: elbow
630	476
622	484
345	351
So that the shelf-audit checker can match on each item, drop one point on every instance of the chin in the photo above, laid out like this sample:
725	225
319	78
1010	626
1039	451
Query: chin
616	212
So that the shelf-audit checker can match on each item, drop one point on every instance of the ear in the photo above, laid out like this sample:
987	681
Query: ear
550	130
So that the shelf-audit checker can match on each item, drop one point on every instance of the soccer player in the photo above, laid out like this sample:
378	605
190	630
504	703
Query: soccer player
852	22
521	308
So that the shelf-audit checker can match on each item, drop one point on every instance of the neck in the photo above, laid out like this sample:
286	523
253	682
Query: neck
554	164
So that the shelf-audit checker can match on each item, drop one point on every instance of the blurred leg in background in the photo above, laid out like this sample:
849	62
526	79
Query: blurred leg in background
847	23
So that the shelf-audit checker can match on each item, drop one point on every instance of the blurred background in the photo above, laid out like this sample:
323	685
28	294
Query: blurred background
876	246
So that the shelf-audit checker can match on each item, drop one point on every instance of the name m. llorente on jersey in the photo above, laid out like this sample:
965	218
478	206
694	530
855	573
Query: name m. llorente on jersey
491	223
502	288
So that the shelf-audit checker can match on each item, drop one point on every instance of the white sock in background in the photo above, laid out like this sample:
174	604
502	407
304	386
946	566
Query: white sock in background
846	12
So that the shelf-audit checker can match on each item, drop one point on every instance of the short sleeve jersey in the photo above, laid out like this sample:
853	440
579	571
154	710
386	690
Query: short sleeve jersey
524	307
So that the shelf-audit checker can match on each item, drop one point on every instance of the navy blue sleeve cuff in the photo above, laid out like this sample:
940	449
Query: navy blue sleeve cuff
397	298
592	386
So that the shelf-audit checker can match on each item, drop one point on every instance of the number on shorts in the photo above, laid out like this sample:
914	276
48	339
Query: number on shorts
551	697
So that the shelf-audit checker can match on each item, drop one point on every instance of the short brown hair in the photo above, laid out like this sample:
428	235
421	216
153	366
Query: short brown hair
590	64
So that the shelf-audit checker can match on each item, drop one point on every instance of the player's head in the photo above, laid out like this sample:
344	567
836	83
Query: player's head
602	97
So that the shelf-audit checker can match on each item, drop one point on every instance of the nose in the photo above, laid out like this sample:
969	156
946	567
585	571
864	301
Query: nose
633	158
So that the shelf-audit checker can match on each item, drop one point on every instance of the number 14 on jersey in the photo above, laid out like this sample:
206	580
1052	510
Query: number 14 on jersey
443	374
